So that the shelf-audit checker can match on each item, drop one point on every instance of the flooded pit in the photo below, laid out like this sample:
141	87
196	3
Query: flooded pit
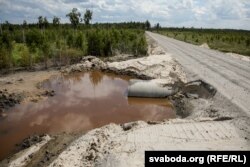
83	101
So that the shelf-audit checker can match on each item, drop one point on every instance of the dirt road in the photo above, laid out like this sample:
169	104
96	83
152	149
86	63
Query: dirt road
229	75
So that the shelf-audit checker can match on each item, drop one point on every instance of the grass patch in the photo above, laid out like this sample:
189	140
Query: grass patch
236	41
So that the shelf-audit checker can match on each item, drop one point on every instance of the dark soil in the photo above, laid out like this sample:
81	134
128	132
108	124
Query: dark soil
198	89
29	141
192	90
8	100
52	149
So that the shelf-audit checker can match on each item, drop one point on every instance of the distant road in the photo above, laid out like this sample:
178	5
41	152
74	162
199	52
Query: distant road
229	75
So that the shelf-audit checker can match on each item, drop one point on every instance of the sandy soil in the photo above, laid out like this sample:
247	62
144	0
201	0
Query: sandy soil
205	45
154	66
234	55
212	123
23	158
26	83
238	56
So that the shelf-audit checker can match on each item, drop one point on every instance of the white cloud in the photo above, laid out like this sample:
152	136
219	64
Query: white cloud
206	13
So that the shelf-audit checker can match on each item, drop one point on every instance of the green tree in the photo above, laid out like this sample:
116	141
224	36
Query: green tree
45	22
143	47
56	21
23	30
9	26
34	37
34	41
74	17
139	46
247	42
6	47
147	25
157	27
45	47
1	30
4	57
87	17
61	45
27	57
70	40
40	22
7	40
23	55
81	42
25	24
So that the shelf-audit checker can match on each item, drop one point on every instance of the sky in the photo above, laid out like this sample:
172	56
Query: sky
233	14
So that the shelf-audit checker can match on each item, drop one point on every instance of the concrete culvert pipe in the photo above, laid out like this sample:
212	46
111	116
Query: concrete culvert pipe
148	89
133	81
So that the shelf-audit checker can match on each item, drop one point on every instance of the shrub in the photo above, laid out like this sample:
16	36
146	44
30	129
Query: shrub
4	58
67	45
81	43
21	55
34	37
247	42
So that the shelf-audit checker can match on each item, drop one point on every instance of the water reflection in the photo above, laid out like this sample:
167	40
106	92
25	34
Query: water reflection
95	78
83	101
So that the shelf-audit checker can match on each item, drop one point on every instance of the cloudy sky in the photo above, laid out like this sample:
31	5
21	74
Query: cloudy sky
178	13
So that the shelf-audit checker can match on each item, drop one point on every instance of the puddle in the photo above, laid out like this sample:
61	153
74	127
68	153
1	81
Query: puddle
82	102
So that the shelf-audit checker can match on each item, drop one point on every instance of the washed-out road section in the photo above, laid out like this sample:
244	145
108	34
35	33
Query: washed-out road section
213	123
229	75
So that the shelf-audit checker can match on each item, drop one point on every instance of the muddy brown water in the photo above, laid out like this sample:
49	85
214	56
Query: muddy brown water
83	101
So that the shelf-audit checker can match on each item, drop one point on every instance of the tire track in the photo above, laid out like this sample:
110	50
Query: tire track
244	72
230	76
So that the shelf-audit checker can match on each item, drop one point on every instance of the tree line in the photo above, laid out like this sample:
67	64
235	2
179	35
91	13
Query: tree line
56	44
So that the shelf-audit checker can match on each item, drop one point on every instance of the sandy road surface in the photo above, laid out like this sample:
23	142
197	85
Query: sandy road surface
229	75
